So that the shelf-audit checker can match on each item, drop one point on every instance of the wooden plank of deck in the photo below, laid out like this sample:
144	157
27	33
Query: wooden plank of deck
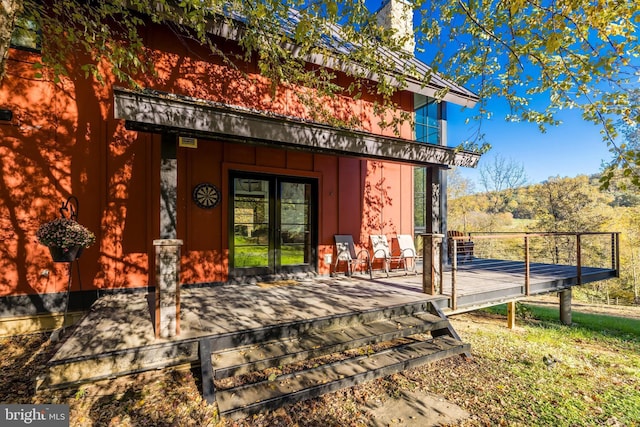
486	282
491	282
122	323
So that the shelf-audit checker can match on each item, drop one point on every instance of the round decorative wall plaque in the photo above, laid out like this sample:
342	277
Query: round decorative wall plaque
206	195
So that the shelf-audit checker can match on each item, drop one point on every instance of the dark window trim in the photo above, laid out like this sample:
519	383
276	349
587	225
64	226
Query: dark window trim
273	181
38	37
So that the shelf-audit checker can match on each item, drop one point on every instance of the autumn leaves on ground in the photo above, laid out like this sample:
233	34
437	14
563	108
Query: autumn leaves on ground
541	373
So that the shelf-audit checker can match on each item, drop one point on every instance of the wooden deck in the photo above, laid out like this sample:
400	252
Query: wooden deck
488	279
117	338
245	328
122	323
118	335
488	282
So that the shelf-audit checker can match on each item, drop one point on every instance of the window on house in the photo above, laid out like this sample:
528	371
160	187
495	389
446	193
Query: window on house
427	119
27	35
419	200
428	114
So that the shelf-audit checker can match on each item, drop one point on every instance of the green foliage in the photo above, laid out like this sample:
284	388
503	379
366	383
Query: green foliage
627	287
558	204
623	171
586	325
575	54
249	254
572	54
569	204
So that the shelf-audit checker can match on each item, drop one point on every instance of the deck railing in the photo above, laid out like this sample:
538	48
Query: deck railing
588	249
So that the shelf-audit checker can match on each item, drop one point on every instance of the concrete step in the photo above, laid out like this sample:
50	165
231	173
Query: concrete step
319	342
248	399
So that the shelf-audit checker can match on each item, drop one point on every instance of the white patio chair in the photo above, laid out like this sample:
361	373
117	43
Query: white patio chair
408	251
346	252
382	251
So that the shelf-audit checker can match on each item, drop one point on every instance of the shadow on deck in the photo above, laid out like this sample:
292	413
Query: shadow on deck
489	282
380	326
369	329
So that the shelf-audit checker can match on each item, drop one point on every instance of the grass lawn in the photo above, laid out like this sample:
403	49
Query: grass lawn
601	324
540	374
546	374
254	255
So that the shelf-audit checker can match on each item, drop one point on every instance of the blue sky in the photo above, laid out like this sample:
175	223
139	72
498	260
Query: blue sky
570	149
573	148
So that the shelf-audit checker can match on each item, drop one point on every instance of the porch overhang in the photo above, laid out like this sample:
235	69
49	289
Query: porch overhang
153	111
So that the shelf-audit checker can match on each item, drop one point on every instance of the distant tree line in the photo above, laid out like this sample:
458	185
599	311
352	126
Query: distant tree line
559	204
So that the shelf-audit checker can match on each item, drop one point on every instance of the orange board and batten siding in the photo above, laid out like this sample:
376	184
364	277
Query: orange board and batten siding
349	201
63	140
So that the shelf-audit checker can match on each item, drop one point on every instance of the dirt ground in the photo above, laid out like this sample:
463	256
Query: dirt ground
412	409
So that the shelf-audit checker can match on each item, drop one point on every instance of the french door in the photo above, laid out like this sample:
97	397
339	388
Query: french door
273	224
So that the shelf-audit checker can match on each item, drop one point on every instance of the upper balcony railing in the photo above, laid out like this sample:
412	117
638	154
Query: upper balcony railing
573	258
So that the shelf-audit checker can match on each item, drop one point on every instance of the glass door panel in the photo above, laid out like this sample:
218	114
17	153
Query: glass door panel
273	225
251	219
295	223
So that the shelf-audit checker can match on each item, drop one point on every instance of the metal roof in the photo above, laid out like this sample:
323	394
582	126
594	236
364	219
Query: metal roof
418	77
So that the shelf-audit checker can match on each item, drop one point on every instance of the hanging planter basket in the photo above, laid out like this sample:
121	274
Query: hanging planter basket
65	238
65	254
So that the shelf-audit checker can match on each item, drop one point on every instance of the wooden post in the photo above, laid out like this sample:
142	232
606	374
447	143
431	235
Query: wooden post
428	283
511	314
527	270
431	264
616	258
167	316
454	269
206	370
565	306
579	258
168	186
437	263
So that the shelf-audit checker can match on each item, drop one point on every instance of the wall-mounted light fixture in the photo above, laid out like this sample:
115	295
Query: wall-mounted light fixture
6	115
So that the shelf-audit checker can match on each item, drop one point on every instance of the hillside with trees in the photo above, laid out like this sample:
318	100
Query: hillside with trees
559	204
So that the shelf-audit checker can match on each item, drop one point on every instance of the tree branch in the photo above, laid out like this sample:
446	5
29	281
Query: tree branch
490	34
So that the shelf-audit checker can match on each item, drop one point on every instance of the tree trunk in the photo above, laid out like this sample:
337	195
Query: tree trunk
10	10
636	297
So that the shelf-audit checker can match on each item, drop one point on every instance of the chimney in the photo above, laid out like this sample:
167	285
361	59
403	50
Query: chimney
398	15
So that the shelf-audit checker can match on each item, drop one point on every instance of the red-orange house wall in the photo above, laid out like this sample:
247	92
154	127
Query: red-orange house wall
63	140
